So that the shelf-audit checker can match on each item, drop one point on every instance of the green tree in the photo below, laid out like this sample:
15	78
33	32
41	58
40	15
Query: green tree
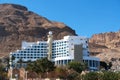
3	73
105	65
41	66
30	66
110	65
61	72
20	61
13	58
73	76
77	66
7	59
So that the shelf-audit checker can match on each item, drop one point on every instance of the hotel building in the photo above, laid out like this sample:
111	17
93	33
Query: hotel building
61	52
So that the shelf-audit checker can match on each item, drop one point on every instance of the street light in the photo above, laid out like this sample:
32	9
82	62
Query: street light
16	75
26	74
11	69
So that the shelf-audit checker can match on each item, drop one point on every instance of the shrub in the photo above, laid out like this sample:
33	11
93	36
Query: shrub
90	76
77	66
108	75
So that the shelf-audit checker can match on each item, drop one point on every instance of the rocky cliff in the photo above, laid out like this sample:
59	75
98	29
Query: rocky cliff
104	42
17	24
107	45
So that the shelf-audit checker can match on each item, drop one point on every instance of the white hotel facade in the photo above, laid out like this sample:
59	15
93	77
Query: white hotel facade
61	52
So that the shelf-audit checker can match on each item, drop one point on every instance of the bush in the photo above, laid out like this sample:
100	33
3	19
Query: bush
61	72
91	76
73	76
77	66
108	75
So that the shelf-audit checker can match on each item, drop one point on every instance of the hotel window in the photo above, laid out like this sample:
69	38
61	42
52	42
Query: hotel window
38	54
41	54
93	63
38	57
28	49
72	49
42	46
38	51
96	63
90	63
38	46
67	54
18	57
34	46
86	46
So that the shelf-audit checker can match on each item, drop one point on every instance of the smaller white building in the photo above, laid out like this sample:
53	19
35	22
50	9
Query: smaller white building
61	52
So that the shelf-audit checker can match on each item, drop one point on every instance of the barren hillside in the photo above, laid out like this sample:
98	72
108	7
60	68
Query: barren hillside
17	24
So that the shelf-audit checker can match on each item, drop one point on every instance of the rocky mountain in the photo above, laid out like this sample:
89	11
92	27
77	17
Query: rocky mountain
106	46
17	23
105	42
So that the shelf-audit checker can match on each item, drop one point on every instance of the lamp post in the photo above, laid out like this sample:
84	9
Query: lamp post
26	74
16	75
11	69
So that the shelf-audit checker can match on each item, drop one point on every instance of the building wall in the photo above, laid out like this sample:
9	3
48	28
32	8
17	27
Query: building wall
78	55
63	51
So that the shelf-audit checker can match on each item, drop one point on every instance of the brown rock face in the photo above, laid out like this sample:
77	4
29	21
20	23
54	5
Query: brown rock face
105	41
108	45
17	24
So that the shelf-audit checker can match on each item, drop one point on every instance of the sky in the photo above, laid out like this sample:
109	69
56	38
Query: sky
86	17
